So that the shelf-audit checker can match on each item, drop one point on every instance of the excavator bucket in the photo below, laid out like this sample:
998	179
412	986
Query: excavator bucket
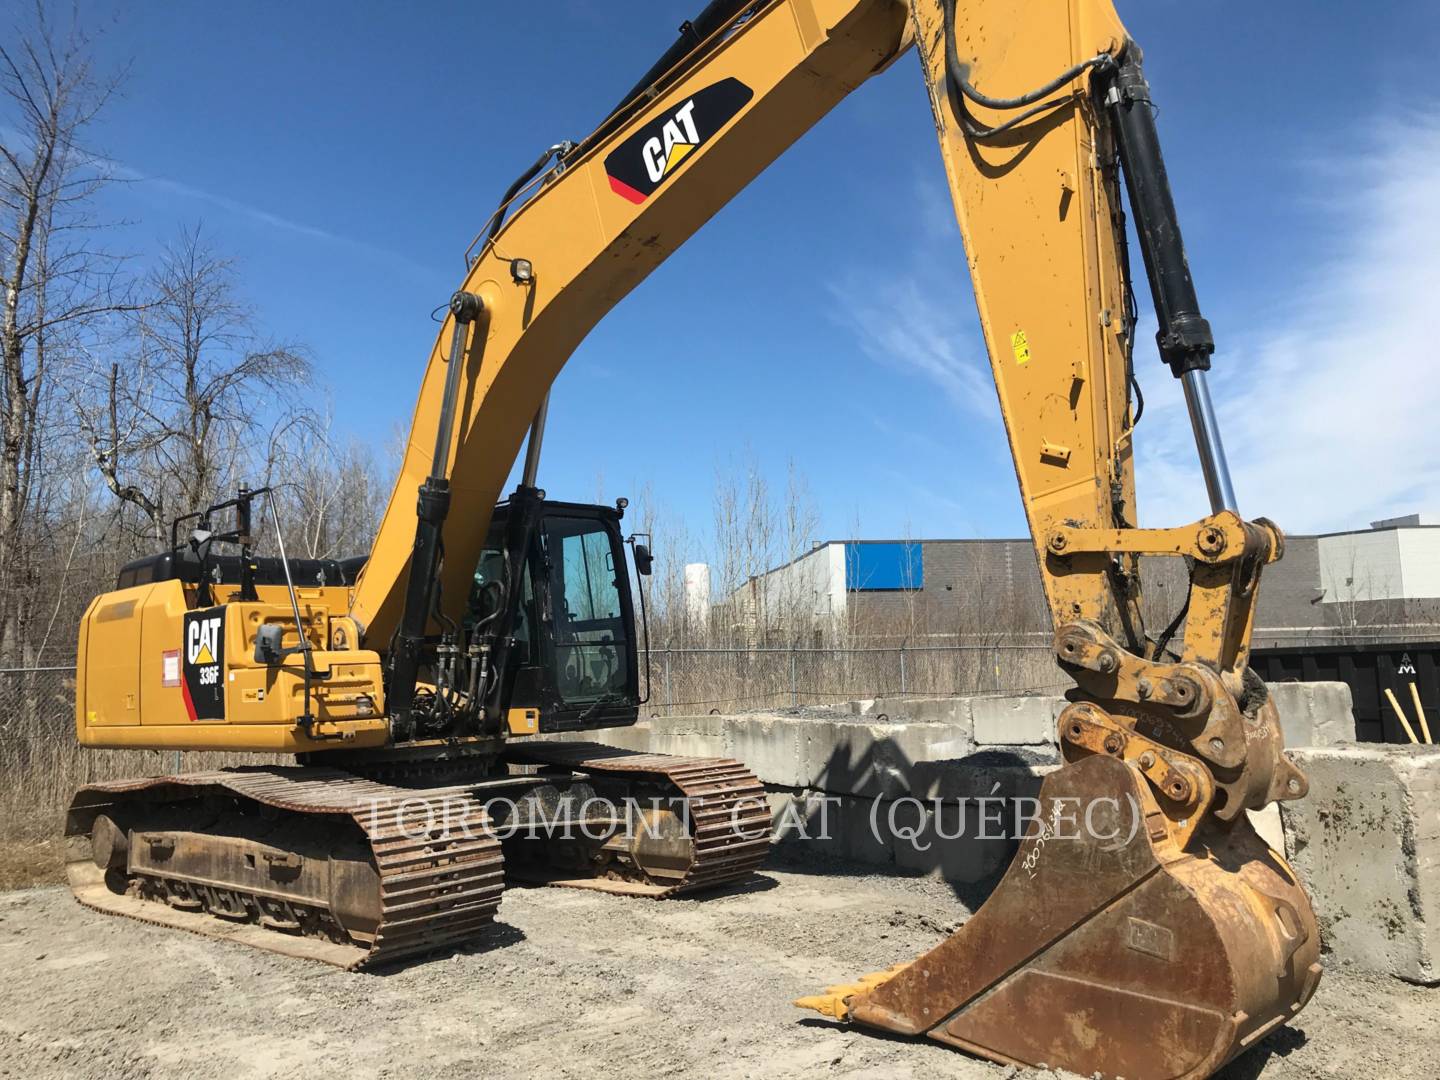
1107	949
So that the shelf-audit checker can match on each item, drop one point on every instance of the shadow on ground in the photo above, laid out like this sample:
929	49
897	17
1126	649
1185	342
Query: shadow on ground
970	865
1282	1042
497	935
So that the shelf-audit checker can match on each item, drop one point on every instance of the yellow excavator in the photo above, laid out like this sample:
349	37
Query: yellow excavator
1144	930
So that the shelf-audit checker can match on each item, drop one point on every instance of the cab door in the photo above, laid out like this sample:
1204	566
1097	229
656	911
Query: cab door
586	612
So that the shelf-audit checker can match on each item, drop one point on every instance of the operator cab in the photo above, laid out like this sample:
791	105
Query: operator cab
569	652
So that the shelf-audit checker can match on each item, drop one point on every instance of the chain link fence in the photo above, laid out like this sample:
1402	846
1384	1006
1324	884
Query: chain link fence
746	679
41	764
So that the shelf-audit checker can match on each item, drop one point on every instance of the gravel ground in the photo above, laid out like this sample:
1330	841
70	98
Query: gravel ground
571	984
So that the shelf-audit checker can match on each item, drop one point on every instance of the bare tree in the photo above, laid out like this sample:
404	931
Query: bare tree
331	499
744	540
56	287
756	532
673	623
203	401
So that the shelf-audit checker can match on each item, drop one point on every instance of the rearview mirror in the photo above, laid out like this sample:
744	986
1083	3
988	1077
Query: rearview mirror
268	648
643	560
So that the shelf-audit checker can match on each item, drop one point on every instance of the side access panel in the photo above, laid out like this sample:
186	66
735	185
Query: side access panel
154	674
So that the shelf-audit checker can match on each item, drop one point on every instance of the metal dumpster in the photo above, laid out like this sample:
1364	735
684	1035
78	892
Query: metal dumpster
1369	670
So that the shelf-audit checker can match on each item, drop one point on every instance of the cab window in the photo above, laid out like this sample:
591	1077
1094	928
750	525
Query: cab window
586	610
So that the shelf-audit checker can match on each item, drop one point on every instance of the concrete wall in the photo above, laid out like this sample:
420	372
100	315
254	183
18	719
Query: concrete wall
1366	841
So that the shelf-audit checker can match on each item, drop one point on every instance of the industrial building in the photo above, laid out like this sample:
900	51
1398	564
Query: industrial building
1383	581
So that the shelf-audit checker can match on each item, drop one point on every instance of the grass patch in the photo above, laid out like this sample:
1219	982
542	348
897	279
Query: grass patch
27	863
38	778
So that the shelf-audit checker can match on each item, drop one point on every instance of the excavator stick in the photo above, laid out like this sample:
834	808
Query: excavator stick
1106	948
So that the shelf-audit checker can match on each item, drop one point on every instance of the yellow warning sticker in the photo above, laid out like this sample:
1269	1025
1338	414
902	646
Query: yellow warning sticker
1021	345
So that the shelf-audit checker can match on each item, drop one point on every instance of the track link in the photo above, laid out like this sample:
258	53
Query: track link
728	816
438	871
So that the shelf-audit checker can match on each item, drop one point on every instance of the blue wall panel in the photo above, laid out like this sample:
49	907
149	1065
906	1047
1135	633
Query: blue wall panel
884	567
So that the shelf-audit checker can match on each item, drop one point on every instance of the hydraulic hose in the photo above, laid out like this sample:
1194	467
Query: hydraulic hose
958	77
498	220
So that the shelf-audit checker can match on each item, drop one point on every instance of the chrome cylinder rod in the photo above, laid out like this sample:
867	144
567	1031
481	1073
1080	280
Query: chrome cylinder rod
537	437
1207	442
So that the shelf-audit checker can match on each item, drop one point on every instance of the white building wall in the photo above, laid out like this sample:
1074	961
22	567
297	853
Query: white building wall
1419	562
812	586
697	595
1361	566
836	573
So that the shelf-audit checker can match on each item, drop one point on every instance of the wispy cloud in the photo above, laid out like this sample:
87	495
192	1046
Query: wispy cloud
1329	410
234	206
950	516
898	321
109	168
256	214
911	312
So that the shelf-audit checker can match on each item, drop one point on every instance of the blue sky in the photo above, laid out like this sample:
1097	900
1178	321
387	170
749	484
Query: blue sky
347	153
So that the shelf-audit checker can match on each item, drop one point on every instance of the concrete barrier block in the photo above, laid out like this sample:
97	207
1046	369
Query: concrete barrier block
859	840
815	753
965	842
1269	826
994	773
765	743
804	817
953	711
663	740
1314	714
698	736
1014	721
852	757
898	756
829	823
1366	842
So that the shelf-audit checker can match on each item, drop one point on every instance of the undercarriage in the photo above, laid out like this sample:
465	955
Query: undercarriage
363	870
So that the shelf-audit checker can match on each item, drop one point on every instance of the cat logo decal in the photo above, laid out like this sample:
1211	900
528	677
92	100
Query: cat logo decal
646	159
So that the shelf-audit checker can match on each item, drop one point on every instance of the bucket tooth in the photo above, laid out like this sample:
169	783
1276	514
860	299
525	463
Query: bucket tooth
834	1001
1106	949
